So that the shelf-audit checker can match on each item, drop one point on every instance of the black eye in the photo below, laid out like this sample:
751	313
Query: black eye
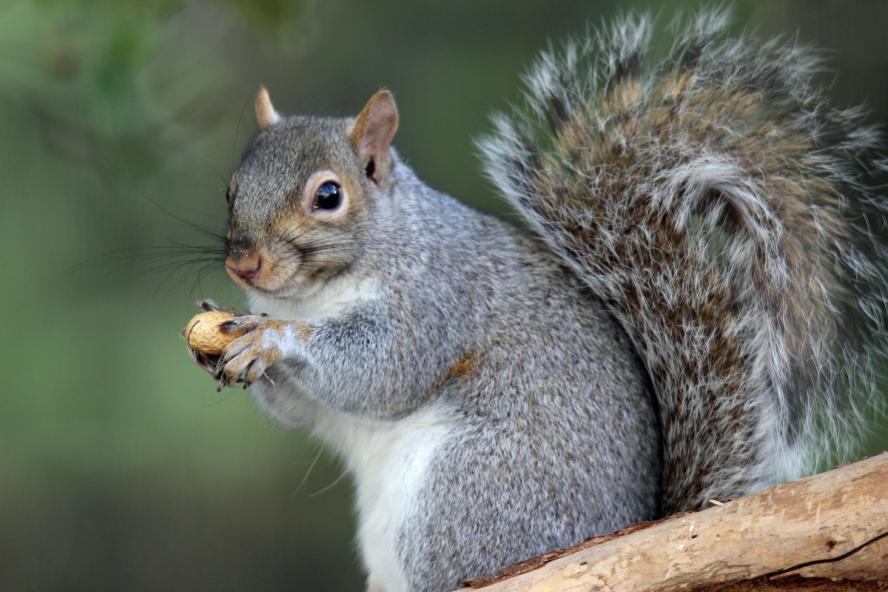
328	196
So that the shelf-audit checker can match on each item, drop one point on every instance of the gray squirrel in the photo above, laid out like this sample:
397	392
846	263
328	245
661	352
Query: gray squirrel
697	313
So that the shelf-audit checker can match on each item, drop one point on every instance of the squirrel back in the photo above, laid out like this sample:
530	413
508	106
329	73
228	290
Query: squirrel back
721	210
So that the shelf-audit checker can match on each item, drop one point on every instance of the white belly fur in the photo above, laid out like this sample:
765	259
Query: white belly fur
387	459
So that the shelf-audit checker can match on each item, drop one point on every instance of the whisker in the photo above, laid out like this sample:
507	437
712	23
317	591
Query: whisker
308	472
190	224
331	485
132	255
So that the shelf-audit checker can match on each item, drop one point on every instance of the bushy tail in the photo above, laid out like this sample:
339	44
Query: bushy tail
722	211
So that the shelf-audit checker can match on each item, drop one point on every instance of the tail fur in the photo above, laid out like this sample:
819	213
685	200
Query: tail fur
725	214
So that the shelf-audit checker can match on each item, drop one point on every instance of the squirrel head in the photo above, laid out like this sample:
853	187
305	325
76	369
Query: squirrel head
299	201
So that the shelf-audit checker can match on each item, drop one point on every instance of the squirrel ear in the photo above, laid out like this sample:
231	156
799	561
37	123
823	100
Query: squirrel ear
265	113
373	132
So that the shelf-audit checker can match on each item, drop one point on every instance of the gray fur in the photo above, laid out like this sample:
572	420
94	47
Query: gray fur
558	437
718	204
652	351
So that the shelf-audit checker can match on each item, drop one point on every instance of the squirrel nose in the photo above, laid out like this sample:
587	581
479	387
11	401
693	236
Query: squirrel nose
245	268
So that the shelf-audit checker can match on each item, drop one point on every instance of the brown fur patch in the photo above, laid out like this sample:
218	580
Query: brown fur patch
305	331
463	368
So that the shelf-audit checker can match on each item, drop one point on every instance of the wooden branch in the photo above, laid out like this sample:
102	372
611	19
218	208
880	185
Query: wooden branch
803	535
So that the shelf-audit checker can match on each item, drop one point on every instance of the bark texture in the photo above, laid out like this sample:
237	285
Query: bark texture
826	532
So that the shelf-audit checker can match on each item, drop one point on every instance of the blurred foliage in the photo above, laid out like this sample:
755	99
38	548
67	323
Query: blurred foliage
122	468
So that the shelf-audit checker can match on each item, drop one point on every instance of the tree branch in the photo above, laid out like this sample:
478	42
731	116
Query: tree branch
802	535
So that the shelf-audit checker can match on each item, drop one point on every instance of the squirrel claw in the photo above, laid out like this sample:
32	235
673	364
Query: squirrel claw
244	323
222	380
208	305
206	361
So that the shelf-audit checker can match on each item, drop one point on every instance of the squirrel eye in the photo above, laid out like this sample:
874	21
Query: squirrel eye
328	196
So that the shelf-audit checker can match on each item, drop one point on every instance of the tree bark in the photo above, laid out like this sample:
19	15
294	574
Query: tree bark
826	532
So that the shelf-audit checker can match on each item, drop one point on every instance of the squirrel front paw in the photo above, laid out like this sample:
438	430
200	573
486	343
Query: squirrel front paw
247	358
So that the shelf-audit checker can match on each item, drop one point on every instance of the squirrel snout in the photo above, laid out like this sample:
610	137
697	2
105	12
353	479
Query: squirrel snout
244	268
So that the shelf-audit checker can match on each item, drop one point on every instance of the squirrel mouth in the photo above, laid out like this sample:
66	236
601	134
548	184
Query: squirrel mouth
284	288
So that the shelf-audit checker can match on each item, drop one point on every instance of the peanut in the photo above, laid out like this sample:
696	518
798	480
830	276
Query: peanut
203	332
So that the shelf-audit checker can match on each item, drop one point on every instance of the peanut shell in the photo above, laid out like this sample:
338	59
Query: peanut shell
203	332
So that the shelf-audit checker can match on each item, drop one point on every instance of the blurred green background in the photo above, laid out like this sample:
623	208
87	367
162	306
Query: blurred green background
121	468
